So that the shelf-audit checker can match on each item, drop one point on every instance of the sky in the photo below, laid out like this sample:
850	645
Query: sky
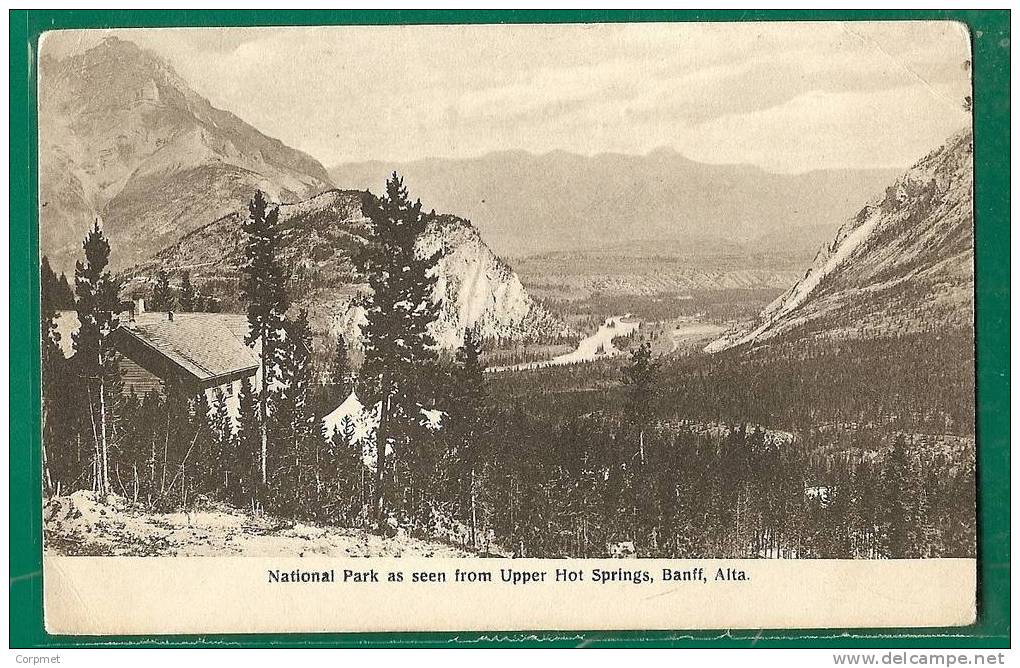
787	97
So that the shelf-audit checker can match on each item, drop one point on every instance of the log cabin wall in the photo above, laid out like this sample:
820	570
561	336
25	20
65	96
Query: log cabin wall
137	380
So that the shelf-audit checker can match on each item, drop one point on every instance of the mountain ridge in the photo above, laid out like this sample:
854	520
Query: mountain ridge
124	138
526	204
320	238
902	263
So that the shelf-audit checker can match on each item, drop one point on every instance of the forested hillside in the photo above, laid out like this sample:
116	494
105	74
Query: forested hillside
904	263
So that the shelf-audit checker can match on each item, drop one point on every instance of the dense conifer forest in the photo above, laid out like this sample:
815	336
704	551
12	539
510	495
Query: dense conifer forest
813	447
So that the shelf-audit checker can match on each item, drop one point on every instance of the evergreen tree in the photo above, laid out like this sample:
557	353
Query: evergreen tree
49	293
189	299
162	293
198	473
263	289
49	288
396	338
896	483
246	468
222	426
53	366
733	465
96	299
64	295
177	438
338	382
66	441
640	376
297	446
60	296
466	424
152	434
344	491
129	462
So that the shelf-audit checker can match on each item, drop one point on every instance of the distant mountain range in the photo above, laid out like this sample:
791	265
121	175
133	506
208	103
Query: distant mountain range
903	263
124	138
525	204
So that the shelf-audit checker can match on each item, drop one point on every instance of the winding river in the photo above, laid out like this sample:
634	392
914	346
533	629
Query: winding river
597	346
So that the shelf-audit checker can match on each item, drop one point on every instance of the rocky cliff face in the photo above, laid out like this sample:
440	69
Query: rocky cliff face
479	289
123	137
320	238
904	262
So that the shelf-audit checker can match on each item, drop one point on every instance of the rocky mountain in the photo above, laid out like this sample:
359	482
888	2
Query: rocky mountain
903	263
480	289
123	137
320	237
526	204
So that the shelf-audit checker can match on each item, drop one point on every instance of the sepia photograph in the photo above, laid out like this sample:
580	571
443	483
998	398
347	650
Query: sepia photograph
605	291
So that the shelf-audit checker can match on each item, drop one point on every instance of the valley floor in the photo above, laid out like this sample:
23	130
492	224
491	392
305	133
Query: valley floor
82	524
598	345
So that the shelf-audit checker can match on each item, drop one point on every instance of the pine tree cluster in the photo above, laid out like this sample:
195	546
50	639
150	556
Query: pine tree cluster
546	471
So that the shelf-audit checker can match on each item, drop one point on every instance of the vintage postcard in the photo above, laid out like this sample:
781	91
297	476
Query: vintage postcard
507	327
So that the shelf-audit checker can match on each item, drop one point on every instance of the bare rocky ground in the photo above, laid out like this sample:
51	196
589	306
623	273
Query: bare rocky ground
82	524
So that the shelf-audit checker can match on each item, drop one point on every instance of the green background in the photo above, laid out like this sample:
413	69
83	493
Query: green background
990	37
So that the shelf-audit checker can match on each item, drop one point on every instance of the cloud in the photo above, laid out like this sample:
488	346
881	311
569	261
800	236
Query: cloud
404	92
887	128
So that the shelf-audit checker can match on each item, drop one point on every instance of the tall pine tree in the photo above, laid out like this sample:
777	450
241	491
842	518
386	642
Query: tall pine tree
222	426
263	289
162	293
52	366
639	376
296	443
245	467
65	296
96	299
343	477
338	382
189	298
466	423
397	341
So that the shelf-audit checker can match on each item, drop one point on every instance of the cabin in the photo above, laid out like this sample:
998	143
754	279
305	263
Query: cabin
187	352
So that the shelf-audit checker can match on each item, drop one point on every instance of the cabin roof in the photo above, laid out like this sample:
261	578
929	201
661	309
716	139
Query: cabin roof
205	345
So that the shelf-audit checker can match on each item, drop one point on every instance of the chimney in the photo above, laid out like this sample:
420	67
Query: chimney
140	306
